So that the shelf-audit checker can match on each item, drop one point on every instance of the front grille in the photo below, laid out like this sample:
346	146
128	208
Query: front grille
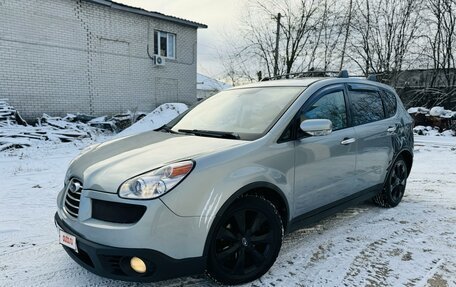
73	197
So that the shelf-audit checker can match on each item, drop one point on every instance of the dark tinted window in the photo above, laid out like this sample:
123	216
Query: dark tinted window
330	106
287	134
367	107
390	104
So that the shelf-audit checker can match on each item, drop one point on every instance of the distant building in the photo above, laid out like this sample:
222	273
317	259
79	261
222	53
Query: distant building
423	78
426	87
93	56
206	87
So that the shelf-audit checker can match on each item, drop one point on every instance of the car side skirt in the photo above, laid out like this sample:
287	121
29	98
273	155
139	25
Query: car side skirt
312	217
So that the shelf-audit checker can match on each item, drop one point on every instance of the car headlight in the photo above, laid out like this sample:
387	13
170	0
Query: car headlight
157	182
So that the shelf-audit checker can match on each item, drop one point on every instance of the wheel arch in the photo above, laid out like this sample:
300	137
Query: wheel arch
264	189
408	158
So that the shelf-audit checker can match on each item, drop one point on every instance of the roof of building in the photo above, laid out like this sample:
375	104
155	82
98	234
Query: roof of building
208	84
153	14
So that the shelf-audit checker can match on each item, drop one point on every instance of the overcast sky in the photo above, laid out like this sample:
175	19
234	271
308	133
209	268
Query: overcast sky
221	17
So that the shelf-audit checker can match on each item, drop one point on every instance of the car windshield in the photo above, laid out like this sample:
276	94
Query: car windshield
240	113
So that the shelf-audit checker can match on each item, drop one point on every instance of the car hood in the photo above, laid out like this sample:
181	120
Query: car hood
106	166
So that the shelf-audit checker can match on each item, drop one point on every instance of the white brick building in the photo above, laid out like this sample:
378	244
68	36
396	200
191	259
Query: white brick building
90	56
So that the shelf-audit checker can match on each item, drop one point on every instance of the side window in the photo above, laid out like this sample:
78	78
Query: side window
366	107
390	103
330	106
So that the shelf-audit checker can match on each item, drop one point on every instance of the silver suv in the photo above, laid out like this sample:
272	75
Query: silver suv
215	190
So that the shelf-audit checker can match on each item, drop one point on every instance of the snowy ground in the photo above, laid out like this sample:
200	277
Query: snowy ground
411	245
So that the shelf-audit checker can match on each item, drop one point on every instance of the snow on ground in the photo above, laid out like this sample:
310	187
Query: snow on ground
411	245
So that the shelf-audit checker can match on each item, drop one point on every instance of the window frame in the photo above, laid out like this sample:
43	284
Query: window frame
159	34
294	123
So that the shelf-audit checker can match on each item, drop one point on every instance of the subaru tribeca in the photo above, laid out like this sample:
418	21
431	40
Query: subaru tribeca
215	190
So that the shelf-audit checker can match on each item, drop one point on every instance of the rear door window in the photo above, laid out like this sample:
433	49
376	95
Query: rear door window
366	106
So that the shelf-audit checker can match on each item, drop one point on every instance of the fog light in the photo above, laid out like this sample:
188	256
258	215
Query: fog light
138	265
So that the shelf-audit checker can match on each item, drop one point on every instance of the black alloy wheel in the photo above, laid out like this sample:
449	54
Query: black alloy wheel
395	184
246	241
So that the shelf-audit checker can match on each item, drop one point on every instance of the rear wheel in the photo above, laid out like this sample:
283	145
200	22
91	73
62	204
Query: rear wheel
394	188
246	241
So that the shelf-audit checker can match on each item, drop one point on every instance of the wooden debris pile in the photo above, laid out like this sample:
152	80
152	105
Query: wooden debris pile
17	133
8	115
436	117
117	122
48	129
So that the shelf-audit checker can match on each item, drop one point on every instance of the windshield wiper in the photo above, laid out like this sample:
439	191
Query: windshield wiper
167	129
216	134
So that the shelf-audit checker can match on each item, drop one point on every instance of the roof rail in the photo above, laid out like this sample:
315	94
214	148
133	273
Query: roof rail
343	74
302	75
315	73
372	77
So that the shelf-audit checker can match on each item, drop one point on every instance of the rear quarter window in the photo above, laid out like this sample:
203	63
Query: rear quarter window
390	103
366	106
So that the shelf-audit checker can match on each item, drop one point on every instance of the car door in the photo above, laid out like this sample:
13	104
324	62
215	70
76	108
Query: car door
373	134
324	165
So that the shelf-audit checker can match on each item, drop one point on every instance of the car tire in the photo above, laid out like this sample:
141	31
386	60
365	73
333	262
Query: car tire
246	241
394	186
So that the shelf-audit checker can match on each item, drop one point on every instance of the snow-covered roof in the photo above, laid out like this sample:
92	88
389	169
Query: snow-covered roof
208	84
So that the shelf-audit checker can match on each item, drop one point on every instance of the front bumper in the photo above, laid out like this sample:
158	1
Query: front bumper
113	262
158	229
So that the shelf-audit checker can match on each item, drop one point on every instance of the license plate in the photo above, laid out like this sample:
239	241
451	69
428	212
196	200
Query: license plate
68	240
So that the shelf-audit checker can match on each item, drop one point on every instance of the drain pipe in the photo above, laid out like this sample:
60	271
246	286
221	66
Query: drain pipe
148	41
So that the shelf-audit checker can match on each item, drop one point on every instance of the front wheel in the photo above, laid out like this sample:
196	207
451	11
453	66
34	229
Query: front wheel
245	242
395	183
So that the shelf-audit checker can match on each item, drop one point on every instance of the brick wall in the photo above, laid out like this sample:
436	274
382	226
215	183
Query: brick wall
69	56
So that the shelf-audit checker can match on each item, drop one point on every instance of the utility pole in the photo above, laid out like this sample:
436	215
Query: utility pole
276	52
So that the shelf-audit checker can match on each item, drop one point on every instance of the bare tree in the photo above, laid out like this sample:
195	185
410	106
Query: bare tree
441	40
237	66
330	29
297	28
375	35
347	33
383	32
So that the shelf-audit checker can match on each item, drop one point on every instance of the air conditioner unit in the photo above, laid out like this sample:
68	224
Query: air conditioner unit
159	60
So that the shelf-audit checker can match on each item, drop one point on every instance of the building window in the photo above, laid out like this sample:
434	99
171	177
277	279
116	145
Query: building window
165	44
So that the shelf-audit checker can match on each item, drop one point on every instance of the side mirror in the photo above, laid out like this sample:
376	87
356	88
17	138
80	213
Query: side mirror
317	127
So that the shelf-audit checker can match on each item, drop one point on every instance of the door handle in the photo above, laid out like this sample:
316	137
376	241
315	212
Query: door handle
391	130
347	141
